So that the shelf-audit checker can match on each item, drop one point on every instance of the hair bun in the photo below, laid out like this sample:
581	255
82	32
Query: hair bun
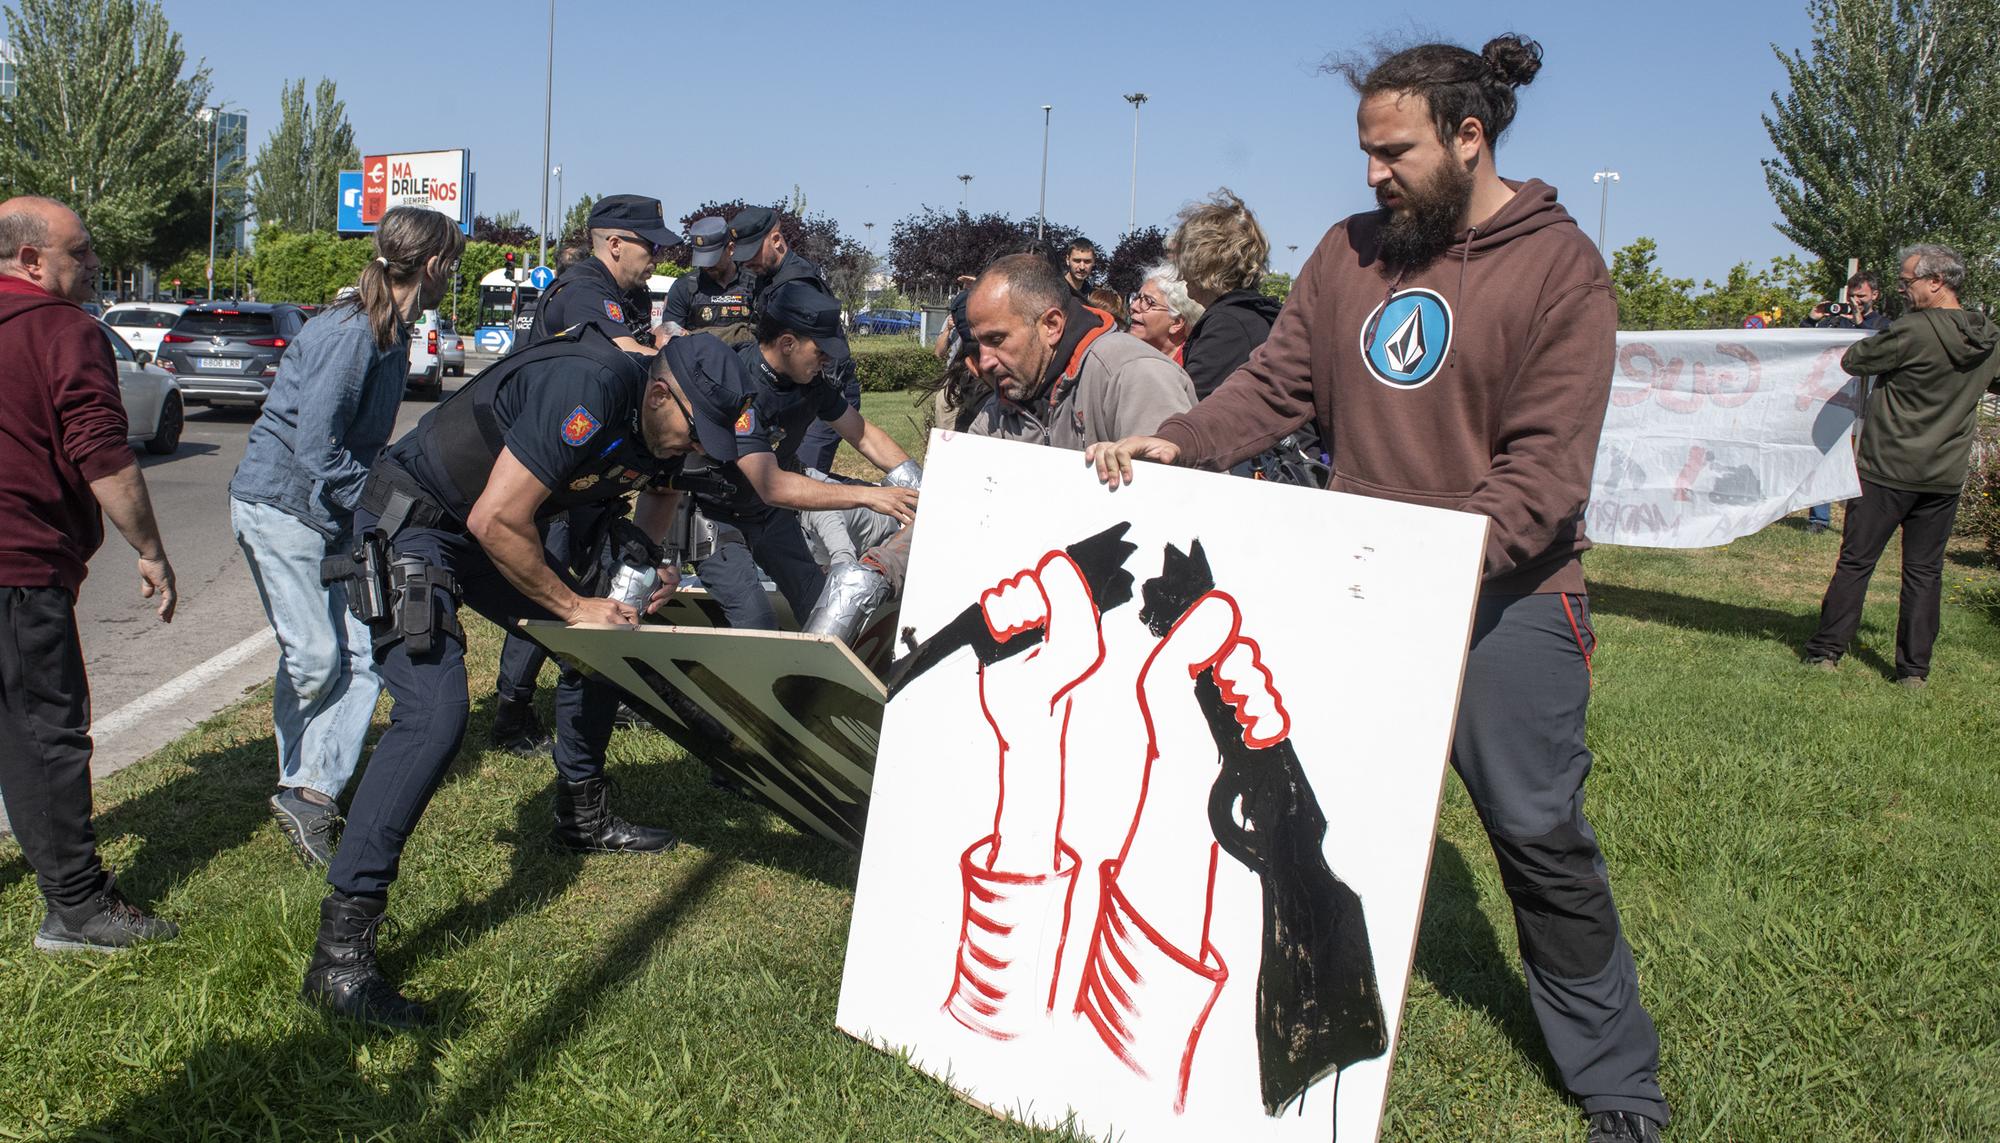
1512	59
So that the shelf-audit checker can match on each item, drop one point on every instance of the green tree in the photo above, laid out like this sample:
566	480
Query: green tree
1886	138
1277	286
1647	297
296	184
310	267
105	121
575	224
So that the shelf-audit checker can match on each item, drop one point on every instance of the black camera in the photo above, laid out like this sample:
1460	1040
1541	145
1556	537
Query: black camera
1839	309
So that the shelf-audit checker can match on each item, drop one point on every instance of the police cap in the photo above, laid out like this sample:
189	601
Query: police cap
807	312
708	237
748	229
636	213
716	385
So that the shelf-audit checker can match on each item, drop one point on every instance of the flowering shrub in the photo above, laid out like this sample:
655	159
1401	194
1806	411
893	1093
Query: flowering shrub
1979	505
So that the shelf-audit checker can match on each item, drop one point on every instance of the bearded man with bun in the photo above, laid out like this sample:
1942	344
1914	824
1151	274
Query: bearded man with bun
1454	348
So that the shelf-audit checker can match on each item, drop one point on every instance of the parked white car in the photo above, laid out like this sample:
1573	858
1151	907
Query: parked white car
142	324
154	412
426	373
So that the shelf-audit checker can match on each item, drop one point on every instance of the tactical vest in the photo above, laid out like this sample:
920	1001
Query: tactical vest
453	449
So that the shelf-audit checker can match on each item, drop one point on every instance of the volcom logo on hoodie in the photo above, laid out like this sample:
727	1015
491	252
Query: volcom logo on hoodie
1406	340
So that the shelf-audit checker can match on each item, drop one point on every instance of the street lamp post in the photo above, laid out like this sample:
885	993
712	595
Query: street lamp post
214	185
557	172
1042	211
964	184
1603	178
548	105
1135	99
871	234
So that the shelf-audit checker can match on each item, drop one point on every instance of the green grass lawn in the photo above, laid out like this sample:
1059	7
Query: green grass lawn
1805	864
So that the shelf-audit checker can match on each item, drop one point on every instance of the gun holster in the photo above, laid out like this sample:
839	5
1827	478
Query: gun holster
365	572
416	618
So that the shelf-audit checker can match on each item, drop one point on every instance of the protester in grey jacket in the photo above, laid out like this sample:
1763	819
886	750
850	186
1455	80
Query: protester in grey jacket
1062	375
331	408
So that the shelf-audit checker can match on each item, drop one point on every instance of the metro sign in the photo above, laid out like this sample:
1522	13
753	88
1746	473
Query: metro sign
429	180
374	188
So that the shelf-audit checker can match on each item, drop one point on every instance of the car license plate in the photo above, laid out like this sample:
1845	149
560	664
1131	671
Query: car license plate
218	363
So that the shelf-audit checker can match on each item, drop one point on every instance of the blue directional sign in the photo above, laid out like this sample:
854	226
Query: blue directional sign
350	205
540	277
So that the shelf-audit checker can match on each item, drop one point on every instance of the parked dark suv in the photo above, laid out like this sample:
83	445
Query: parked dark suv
228	351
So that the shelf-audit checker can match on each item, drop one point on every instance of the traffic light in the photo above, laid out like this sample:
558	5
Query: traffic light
513	271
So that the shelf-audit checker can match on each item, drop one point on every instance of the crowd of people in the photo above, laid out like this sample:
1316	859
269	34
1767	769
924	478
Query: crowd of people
605	452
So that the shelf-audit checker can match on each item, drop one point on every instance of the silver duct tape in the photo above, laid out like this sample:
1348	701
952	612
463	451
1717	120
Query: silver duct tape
852	593
908	474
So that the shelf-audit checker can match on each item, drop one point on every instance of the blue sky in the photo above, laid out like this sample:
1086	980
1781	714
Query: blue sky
873	111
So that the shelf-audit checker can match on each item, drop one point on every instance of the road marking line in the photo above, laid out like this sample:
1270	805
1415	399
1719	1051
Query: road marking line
176	689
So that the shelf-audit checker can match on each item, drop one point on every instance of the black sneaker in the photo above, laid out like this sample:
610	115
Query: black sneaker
310	821
109	923
1815	528
1621	1127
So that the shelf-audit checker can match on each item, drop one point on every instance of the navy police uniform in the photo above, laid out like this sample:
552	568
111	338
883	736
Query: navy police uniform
569	410
748	229
714	294
777	421
584	294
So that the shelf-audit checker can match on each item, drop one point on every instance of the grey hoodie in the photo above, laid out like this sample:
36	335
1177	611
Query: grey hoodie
1931	367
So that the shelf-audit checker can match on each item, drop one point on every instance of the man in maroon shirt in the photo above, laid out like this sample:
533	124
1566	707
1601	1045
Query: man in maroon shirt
62	445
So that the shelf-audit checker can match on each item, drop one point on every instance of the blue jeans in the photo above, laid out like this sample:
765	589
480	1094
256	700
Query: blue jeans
770	540
1821	514
326	687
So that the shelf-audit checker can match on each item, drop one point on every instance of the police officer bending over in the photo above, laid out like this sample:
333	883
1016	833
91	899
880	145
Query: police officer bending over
759	244
716	294
755	501
449	516
607	290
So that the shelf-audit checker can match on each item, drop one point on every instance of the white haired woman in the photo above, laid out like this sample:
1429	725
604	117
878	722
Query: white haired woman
1162	313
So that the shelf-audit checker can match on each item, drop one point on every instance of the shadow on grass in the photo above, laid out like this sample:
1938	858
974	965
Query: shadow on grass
218	804
1461	955
314	1082
1694	612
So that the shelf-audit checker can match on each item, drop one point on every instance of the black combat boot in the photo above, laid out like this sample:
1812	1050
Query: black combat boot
343	977
516	728
584	822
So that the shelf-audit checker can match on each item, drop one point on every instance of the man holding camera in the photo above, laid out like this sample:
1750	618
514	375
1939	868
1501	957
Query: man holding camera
1931	366
1861	310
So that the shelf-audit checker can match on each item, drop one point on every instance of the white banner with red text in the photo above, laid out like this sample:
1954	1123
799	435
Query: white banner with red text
1712	434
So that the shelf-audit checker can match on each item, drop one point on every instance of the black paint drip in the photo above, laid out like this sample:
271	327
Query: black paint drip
1101	558
1319	1008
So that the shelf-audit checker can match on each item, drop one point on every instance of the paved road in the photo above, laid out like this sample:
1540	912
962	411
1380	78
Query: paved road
130	655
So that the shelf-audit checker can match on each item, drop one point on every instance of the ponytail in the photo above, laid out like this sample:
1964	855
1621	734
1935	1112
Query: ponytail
407	239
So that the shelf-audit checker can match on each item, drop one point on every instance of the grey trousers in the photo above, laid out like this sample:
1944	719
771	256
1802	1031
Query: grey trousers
1519	747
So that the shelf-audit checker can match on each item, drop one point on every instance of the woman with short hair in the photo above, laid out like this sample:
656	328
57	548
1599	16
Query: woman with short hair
1162	313
1223	256
331	408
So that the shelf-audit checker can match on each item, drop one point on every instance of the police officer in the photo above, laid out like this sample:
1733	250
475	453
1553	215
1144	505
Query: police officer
716	294
759	245
628	236
626	233
455	503
754	501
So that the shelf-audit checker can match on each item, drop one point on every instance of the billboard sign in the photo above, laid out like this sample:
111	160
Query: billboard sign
350	204
432	180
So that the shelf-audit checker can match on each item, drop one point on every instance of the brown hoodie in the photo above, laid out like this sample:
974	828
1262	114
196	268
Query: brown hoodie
1478	384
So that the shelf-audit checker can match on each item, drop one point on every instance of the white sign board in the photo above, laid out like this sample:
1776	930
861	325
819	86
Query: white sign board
1712	434
1155	798
429	180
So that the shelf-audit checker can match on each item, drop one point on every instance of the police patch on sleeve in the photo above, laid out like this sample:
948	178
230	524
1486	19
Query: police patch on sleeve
747	423
580	426
614	311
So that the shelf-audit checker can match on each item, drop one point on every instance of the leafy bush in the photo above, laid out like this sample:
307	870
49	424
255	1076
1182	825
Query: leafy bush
309	267
1979	504
902	365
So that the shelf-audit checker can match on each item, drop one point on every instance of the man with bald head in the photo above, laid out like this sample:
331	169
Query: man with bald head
66	457
1061	373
